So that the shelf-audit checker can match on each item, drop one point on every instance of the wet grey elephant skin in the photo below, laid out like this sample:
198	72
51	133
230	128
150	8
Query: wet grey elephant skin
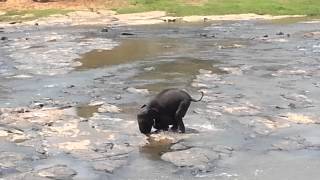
166	108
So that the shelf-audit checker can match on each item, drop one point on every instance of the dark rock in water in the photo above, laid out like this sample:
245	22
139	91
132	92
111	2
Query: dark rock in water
266	36
207	35
172	20
118	97
59	172
37	105
292	106
280	33
3	38
36	24
105	30
15	22
203	35
127	34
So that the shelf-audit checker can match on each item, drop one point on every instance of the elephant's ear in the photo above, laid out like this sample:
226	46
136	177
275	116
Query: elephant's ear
143	106
153	111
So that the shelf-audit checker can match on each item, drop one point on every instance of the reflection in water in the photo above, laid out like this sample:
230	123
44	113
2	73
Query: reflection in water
153	151
175	73
185	67
129	50
86	111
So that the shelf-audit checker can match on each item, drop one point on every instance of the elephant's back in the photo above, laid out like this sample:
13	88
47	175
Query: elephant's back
169	99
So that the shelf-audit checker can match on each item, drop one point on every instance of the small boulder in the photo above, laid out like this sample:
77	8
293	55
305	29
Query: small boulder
194	157
3	38
108	165
58	172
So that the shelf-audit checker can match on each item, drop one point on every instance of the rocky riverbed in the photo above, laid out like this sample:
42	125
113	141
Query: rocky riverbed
69	96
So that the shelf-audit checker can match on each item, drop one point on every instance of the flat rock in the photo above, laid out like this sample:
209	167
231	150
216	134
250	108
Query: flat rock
108	165
245	110
178	146
24	176
292	143
109	108
137	91
193	157
3	133
298	118
10	159
96	103
58	172
18	138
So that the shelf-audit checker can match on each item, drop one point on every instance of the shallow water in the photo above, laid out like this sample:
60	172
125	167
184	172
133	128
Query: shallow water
261	93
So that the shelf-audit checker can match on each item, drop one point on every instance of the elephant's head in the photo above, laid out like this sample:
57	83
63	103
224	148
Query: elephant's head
145	118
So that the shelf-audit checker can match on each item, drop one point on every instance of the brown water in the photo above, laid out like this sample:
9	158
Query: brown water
128	51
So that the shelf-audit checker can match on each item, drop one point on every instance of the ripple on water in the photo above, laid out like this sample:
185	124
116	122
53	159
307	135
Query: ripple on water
54	53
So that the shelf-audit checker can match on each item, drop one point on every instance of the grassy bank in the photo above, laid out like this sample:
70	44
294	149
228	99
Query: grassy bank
173	7
219	7
30	14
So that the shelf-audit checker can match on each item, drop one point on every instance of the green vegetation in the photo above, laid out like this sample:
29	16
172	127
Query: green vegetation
218	7
197	7
30	14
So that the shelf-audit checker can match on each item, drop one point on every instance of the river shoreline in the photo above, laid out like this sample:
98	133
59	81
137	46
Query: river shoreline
108	17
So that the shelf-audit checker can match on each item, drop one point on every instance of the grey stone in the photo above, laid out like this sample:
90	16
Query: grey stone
108	165
292	143
109	108
10	159
3	38
58	172
25	176
179	146
194	157
127	34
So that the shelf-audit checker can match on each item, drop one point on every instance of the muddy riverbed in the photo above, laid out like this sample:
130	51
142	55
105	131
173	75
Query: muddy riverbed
69	98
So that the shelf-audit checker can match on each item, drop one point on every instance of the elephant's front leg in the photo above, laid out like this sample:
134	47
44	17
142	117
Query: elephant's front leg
161	124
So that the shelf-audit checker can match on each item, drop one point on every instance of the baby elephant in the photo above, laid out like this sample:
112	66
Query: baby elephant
167	108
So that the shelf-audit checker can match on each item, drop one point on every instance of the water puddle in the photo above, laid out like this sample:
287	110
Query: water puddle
154	151
174	73
129	50
86	111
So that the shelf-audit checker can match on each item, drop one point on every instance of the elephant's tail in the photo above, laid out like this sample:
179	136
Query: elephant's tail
194	100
